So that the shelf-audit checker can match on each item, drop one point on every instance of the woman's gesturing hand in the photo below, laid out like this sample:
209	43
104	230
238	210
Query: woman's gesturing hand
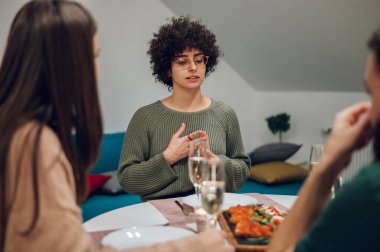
178	147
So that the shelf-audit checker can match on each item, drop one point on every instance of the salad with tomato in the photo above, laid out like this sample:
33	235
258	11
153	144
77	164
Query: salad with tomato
255	222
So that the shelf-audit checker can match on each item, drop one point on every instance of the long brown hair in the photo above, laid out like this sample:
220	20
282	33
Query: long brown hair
47	75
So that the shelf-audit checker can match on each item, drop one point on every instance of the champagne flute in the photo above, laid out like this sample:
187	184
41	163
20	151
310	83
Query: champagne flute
196	162
212	189
316	153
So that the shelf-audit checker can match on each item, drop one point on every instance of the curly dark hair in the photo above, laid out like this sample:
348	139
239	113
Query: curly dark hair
179	34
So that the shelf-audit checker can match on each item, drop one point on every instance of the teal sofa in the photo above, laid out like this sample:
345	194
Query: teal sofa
99	202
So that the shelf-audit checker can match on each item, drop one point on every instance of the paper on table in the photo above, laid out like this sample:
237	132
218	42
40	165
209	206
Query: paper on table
143	214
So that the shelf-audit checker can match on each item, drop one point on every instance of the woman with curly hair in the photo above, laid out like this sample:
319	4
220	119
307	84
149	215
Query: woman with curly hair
51	130
153	161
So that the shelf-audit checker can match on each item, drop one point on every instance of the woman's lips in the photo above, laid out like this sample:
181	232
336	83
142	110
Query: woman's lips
192	77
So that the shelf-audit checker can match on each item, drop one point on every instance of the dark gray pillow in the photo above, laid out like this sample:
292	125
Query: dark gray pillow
273	152
112	186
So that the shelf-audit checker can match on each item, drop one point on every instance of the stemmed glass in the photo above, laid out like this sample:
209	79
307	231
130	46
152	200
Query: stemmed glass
315	155
212	189
196	162
317	151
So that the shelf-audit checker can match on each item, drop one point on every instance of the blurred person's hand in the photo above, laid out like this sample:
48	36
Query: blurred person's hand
213	240
351	130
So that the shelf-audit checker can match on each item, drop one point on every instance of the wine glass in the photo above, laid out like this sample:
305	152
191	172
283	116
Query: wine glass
212	189
315	155
196	162
317	151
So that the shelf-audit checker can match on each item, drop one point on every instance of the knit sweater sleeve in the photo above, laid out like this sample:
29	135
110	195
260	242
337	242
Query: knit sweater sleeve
137	172
236	162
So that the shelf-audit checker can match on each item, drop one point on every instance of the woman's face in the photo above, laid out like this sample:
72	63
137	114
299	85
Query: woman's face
188	69
96	56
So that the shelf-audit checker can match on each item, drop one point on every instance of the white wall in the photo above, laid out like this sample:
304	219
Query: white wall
310	111
8	9
126	83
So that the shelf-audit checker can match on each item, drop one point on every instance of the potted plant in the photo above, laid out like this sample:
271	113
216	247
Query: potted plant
278	124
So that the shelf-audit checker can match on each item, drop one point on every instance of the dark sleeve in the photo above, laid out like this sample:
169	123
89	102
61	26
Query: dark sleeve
349	222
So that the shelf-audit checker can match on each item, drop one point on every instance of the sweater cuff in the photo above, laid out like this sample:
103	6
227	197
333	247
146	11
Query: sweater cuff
162	162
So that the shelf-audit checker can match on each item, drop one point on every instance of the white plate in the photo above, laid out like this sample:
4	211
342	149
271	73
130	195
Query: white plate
143	236
126	217
230	199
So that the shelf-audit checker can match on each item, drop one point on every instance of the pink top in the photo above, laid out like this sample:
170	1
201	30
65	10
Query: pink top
59	226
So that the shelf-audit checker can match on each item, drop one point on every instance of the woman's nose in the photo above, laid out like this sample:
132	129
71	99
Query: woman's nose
192	66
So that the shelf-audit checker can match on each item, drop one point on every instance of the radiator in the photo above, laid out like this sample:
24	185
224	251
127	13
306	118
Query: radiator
359	159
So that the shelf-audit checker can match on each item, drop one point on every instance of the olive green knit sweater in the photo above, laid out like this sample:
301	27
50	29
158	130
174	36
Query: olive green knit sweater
143	169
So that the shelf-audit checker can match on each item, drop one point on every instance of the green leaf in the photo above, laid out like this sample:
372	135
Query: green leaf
258	240
278	123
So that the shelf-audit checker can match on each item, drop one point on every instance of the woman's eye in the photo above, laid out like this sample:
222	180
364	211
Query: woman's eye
182	63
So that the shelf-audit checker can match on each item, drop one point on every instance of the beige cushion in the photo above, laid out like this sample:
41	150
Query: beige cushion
277	172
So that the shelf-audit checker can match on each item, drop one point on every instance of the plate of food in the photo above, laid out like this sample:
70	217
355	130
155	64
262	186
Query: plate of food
143	236
250	228
230	199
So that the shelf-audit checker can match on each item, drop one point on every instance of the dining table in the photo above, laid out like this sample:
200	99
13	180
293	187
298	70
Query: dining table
164	212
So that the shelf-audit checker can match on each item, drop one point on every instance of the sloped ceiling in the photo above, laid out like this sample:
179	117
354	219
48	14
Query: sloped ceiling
290	45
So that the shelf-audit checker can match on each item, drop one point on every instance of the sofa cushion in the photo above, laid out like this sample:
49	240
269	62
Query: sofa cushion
110	153
290	188
95	181
277	172
273	152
